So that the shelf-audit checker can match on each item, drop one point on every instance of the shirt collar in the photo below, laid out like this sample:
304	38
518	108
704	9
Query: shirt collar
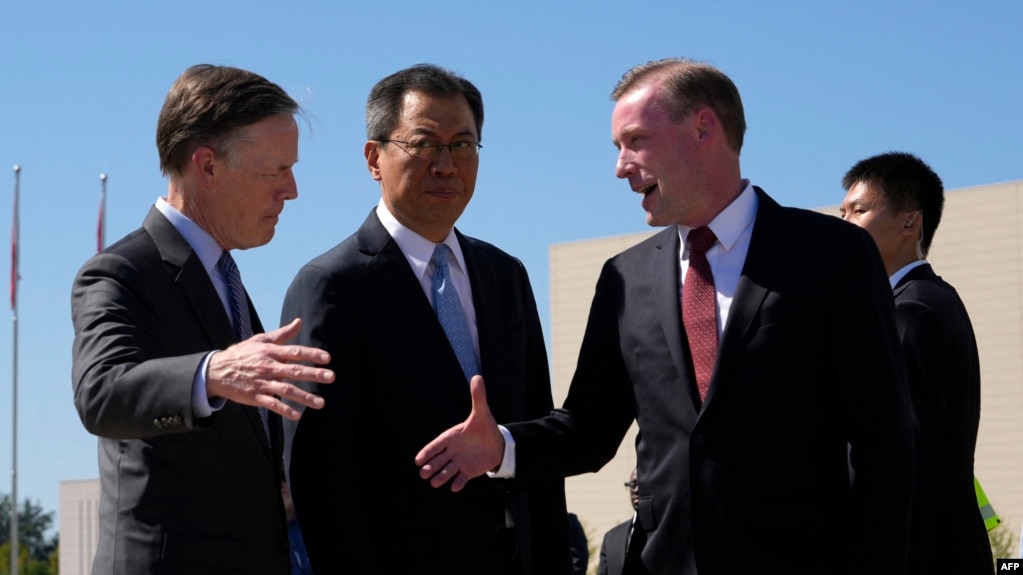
733	220
201	242
417	249
897	276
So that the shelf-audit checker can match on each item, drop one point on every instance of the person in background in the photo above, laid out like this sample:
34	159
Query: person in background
186	401
619	547
899	199
410	310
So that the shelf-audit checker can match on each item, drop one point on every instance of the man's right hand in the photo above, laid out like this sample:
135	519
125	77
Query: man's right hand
466	450
255	372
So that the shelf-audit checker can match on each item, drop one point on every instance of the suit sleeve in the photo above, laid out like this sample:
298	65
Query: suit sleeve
930	353
132	376
584	434
876	410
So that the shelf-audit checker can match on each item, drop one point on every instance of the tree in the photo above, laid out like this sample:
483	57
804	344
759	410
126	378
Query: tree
36	552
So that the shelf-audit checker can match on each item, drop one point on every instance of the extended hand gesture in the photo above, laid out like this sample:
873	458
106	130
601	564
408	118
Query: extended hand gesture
253	372
466	450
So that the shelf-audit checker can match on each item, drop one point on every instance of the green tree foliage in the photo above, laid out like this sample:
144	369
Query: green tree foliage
37	553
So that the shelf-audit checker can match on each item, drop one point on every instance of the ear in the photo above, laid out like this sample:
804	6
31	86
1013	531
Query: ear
204	162
912	223
372	153
706	124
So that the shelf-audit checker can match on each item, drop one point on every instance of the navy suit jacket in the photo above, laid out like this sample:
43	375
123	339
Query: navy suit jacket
943	369
360	501
808	379
179	495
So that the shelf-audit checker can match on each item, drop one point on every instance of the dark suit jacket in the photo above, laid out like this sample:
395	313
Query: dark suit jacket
614	549
808	365
179	494
943	371
357	491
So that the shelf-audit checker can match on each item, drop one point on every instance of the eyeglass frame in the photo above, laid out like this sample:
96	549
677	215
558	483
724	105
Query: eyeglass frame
632	485
416	152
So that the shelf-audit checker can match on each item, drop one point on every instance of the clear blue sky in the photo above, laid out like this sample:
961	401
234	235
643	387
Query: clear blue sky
824	84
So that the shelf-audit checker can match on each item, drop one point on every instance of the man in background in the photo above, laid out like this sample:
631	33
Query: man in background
619	547
190	437
899	200
410	310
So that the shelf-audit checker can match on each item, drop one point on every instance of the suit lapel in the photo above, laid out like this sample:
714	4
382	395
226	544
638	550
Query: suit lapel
408	304
191	277
667	297
763	261
483	279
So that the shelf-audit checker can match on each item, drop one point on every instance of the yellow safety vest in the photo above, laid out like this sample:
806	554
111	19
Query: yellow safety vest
991	519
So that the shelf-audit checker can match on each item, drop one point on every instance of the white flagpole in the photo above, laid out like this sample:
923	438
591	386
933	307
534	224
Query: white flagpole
101	225
14	378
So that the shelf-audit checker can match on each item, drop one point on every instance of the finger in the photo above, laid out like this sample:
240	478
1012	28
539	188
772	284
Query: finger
479	397
459	482
284	333
300	396
429	457
277	406
299	353
433	466
445	474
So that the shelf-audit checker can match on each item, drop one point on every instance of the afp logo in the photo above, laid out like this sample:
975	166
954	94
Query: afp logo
1010	565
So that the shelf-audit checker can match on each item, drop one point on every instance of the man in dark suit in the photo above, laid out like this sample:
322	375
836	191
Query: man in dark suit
190	448
403	367
756	392
619	547
899	199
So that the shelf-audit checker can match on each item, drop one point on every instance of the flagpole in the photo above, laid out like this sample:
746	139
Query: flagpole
14	377
101	226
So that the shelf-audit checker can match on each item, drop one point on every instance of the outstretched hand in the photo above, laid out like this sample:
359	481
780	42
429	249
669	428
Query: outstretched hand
253	372
466	450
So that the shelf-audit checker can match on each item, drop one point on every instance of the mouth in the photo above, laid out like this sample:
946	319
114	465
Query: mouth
645	190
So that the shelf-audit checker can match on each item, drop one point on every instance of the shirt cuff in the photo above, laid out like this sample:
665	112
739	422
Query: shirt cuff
507	468
203	406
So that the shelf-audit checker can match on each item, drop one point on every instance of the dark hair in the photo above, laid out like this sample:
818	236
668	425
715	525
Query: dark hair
906	183
209	105
690	84
384	105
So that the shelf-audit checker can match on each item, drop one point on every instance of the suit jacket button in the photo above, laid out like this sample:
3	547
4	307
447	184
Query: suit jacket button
158	423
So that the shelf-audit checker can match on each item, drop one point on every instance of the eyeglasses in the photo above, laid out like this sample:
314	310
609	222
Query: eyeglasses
632	484
430	149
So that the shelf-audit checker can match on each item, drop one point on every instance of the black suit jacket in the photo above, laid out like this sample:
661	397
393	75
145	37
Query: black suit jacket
808	374
359	499
943	371
614	549
178	494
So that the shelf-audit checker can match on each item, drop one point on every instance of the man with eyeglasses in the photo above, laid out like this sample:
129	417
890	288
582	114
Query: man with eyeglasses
410	310
622	543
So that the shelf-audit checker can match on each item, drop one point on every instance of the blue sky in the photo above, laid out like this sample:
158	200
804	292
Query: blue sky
824	85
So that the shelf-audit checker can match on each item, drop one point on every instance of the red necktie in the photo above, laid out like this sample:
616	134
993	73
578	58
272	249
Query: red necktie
699	309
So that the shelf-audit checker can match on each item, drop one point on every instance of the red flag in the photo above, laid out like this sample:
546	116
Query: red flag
100	230
14	242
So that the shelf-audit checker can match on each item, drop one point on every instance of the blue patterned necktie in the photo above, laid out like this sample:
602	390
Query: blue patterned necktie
450	313
240	318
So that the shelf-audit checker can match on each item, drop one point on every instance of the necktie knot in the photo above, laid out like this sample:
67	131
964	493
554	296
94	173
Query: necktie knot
700	240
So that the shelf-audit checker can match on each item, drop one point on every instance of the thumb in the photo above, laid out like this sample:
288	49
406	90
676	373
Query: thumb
480	407
284	333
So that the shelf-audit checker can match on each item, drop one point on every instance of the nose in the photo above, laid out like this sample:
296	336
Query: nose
623	167
290	187
443	164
